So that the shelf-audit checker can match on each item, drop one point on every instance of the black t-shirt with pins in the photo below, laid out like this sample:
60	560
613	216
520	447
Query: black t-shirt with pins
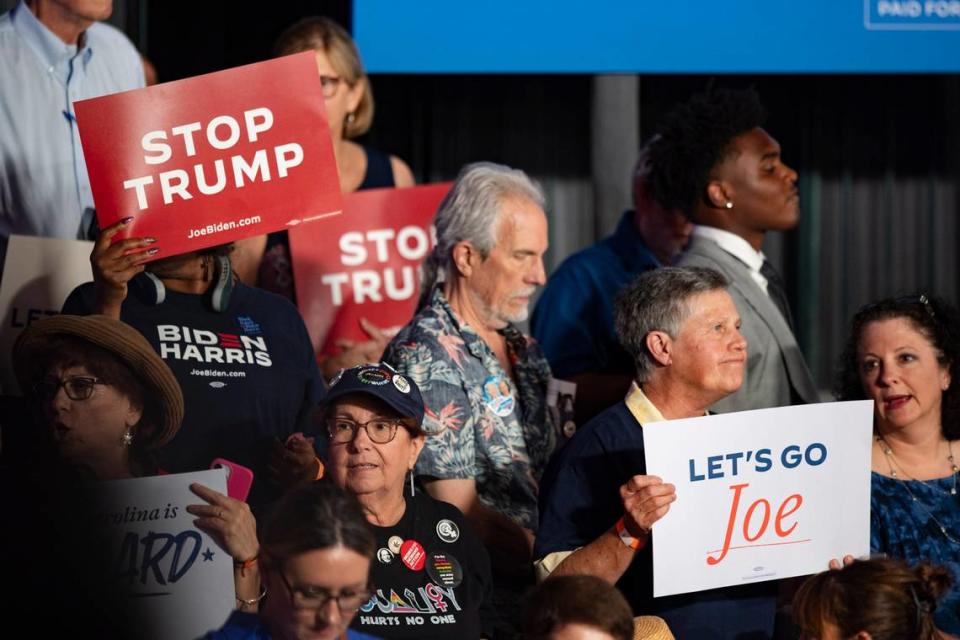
421	603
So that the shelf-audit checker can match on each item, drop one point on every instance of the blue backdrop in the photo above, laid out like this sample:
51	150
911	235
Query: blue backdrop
664	36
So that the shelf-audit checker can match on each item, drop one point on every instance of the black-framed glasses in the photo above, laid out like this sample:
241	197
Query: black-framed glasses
379	430
77	387
315	598
330	84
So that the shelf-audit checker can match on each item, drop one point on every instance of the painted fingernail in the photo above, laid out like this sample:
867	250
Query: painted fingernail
149	240
127	220
153	252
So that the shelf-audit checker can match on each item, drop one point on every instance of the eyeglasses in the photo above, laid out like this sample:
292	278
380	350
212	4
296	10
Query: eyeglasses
77	387
379	430
330	84
315	598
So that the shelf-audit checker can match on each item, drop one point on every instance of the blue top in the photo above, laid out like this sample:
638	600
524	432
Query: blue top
573	319
379	172
580	500
44	189
902	528
248	626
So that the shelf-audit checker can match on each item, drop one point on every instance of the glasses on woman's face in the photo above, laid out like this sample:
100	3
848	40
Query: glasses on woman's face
330	85
314	598
77	387
379	430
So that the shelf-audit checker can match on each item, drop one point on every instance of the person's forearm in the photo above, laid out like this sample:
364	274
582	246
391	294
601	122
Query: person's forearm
606	558
107	304
246	581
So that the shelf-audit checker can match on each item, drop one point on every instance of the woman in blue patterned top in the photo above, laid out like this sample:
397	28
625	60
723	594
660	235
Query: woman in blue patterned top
904	353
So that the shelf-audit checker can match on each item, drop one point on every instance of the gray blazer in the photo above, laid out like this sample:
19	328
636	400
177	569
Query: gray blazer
776	374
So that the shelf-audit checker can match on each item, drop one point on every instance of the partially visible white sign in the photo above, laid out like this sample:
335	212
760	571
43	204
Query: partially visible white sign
178	583
761	495
38	275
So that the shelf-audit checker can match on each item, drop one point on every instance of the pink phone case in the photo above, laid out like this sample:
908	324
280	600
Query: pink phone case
239	478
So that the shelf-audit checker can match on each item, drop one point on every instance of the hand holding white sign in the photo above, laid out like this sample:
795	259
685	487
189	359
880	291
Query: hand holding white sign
228	521
646	499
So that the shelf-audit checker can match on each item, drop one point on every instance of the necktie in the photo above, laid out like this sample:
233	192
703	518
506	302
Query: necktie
776	291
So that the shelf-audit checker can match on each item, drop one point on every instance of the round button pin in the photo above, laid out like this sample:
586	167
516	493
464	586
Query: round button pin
394	543
444	569
413	555
384	555
448	531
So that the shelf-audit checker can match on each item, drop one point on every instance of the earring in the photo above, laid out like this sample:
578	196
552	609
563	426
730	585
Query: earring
729	205
413	491
128	437
351	117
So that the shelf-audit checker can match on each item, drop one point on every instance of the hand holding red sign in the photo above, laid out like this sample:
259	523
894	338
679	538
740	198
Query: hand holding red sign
215	158
114	265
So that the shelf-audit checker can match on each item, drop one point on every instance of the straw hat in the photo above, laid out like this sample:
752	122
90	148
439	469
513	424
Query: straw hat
124	342
651	628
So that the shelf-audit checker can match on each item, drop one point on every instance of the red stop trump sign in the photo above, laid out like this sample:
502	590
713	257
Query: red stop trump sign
214	158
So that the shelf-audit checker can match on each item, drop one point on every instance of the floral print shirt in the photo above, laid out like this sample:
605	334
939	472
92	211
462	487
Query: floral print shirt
481	424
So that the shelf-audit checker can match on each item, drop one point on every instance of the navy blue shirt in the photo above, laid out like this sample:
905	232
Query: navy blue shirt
580	500
248	375
573	319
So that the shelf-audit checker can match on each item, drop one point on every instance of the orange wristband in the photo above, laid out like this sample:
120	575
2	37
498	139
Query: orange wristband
246	564
627	539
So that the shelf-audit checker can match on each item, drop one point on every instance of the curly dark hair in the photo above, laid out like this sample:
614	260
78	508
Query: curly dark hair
694	138
933	317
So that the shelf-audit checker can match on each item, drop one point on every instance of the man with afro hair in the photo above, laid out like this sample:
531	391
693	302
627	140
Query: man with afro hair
717	163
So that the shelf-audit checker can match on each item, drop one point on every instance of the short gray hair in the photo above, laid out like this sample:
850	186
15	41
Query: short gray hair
470	212
657	301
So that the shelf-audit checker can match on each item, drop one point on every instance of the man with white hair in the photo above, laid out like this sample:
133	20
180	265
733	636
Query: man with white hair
483	382
598	504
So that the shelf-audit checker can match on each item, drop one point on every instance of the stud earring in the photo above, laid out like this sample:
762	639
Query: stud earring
729	205
351	117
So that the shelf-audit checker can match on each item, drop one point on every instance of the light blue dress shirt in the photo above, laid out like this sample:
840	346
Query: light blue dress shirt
44	189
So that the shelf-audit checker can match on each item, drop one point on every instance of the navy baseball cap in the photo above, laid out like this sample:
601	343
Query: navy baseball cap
381	381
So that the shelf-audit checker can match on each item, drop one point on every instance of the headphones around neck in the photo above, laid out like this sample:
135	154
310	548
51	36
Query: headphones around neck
149	288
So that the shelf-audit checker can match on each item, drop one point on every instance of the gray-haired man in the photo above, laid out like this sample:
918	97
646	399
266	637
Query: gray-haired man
682	330
483	382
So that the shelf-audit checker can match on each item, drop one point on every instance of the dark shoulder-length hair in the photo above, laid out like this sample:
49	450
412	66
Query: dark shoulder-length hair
319	515
936	320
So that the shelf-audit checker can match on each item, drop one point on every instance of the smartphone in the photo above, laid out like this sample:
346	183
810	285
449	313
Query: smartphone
239	478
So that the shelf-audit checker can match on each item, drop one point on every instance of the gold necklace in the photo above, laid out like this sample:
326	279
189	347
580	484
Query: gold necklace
892	460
